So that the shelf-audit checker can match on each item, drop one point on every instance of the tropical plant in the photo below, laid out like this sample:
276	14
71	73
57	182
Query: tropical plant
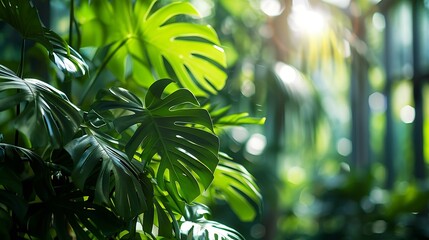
131	163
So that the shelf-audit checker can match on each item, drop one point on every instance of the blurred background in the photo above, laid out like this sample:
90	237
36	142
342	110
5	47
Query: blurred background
343	153
342	83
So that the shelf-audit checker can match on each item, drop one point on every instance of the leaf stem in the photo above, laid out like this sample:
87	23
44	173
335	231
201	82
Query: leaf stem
71	21
100	69
20	74
67	84
21	63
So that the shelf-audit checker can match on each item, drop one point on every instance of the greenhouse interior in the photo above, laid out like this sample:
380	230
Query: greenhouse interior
204	119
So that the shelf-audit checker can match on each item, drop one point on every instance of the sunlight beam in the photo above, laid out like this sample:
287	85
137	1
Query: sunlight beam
306	20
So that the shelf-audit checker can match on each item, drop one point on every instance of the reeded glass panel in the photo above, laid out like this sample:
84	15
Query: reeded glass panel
424	36
400	20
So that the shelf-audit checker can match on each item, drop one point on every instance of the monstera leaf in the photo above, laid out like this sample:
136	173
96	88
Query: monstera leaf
197	226
157	40
233	183
66	58
48	117
173	127
117	177
193	50
23	16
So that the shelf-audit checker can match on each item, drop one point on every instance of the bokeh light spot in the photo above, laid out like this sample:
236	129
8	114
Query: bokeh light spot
256	144
296	175
377	102
407	114
344	146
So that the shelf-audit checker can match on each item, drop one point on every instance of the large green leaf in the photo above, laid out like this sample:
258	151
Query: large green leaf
175	128
117	177
192	50
157	39
48	117
198	227
234	184
23	16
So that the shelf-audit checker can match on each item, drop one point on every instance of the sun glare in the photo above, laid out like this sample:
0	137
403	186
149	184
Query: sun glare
271	7
306	20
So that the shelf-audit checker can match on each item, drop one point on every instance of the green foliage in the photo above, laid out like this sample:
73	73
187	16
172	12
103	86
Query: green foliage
234	184
197	226
223	120
23	16
116	173
17	13
157	39
189	154
118	167
48	117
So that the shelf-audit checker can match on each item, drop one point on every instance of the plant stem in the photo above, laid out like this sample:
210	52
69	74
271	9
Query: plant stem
100	69
20	74
21	63
71	21
67	84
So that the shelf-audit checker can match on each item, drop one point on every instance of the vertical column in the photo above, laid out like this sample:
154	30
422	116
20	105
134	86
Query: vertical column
419	162
359	102
389	137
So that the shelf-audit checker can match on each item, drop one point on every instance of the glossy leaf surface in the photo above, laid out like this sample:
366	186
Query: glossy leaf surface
197	226
157	40
193	50
48	117
233	183
173	127
23	16
117	177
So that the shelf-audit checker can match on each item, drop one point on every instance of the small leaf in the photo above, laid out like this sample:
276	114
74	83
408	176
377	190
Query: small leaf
197	226
66	58
223	120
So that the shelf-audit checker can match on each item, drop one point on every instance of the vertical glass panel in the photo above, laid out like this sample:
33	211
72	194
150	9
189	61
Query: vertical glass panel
424	36
426	122
400	20
403	116
375	32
